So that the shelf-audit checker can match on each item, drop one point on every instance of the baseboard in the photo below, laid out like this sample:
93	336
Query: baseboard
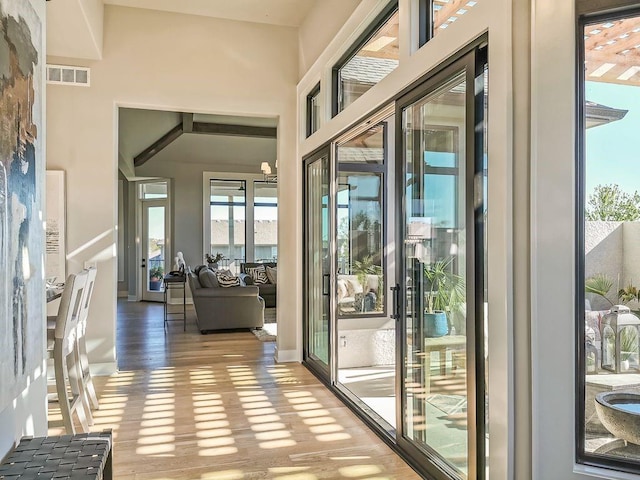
123	294
286	356
103	369
132	298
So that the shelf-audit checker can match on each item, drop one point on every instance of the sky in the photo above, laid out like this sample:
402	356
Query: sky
613	150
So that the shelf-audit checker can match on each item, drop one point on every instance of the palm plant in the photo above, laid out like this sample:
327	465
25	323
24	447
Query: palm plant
446	290
601	284
365	267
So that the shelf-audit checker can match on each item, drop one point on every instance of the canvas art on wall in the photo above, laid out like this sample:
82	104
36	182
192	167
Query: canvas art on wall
21	182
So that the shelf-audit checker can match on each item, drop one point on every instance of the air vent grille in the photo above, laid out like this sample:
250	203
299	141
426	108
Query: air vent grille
68	75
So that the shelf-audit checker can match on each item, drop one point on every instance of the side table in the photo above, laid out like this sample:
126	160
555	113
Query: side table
175	282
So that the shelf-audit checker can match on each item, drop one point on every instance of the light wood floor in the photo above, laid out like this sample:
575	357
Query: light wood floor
191	406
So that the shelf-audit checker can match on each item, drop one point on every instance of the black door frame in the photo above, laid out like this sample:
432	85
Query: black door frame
321	371
473	63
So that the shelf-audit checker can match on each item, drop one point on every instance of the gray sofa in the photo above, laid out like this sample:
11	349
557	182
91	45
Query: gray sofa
268	291
219	308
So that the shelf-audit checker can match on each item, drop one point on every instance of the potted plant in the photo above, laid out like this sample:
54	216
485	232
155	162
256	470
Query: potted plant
367	267
155	277
444	297
212	260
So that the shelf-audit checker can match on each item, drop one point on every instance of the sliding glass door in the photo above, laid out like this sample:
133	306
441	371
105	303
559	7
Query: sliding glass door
395	265
441	181
317	262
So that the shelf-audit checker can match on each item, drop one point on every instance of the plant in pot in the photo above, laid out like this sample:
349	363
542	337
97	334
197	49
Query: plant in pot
444	297
361	269
155	277
212	260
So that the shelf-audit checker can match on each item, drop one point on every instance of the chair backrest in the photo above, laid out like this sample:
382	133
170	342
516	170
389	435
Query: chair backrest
69	311
87	293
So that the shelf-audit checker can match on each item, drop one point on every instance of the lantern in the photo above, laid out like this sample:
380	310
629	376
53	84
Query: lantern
620	335
591	351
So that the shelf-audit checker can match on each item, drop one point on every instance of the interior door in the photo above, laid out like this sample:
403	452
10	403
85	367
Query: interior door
317	262
441	179
154	261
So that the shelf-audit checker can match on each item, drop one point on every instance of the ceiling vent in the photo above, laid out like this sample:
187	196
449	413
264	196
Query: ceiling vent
68	75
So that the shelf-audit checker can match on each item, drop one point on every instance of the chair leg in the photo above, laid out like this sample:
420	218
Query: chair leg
60	367
86	372
81	401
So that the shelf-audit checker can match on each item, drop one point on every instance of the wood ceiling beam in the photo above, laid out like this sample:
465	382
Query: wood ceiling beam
234	130
189	126
157	146
187	122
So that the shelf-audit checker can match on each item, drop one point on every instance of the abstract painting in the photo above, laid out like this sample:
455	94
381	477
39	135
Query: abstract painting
21	186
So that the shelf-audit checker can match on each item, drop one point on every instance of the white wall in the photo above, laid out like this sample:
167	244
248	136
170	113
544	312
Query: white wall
320	26
27	415
165	61
553	177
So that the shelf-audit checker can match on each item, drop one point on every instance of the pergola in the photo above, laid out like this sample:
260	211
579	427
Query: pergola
612	52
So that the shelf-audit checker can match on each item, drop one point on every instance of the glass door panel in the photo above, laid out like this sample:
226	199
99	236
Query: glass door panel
365	335
228	229
154	244
441	276
317	261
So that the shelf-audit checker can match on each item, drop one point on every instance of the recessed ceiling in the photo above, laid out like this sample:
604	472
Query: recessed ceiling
276	12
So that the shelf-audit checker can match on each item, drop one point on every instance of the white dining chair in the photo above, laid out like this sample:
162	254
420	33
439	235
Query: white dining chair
86	379
62	348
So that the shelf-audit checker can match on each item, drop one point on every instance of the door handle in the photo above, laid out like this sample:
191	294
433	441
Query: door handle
325	284
395	314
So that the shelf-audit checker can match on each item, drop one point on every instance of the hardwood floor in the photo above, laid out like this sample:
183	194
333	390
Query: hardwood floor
191	406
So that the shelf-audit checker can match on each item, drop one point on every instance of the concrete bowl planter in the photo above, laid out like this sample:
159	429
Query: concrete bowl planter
619	412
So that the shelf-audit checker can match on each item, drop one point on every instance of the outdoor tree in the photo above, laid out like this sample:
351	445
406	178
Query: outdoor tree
610	203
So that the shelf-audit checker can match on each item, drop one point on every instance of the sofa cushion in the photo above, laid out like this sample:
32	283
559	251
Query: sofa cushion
207	278
258	274
272	275
198	269
225	280
267	289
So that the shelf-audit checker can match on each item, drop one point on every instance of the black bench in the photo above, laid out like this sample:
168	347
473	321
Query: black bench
84	455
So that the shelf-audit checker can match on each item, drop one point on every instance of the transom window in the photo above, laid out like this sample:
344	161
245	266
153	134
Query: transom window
371	59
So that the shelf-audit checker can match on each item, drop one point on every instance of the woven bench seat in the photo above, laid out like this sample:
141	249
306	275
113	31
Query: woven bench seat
84	455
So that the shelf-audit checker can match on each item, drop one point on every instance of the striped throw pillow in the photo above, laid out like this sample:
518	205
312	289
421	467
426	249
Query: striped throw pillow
226	280
258	274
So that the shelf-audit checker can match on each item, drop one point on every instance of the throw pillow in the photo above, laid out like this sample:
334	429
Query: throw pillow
258	274
207	278
272	274
198	269
228	280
